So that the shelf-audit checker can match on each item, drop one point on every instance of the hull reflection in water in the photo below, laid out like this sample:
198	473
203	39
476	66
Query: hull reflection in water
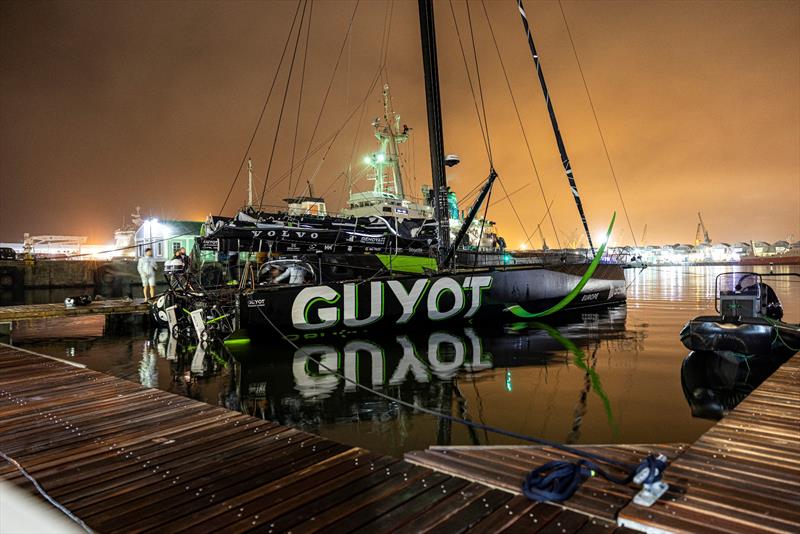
287	384
714	383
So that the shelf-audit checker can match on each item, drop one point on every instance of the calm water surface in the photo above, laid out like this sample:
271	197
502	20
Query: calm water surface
598	377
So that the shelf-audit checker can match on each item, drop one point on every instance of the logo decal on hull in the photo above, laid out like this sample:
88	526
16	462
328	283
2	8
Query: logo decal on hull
321	307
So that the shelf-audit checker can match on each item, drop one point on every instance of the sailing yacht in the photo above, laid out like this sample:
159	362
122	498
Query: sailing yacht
374	269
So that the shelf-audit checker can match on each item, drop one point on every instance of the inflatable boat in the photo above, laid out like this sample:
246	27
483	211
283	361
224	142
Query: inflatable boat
749	320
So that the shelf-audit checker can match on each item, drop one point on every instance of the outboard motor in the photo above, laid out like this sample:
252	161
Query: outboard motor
770	303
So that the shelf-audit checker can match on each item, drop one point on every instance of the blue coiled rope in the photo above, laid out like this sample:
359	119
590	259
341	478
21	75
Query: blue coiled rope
558	480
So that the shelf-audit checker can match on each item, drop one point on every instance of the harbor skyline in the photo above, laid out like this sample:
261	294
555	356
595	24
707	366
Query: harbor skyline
109	106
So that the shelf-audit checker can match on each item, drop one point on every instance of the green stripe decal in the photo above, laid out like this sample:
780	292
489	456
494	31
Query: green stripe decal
407	264
519	311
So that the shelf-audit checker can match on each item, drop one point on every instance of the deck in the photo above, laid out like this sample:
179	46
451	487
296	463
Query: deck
123	457
101	307
742	475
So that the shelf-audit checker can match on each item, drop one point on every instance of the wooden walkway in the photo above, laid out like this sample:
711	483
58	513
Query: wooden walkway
103	307
743	475
125	458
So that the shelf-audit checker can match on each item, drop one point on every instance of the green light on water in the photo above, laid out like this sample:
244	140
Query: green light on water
508	380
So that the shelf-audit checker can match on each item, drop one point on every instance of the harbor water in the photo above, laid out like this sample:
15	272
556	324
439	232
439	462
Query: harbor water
611	376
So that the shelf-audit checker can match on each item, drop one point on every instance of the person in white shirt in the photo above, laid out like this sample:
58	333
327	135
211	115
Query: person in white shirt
147	267
294	273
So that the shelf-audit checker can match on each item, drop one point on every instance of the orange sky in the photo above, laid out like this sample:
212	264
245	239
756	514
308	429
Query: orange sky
105	106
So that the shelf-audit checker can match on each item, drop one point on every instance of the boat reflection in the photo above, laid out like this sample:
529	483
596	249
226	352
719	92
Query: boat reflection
714	383
317	381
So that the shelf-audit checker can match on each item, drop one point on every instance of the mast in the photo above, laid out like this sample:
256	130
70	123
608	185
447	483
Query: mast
387	158
431	67
392	125
249	183
559	141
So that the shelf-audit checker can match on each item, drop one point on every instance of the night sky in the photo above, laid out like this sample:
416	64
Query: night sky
108	105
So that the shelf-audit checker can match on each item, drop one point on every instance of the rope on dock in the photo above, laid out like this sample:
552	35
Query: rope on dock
60	360
63	509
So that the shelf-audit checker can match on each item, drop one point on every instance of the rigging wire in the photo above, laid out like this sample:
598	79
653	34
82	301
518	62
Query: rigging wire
514	192
300	96
387	31
328	140
330	85
597	122
283	106
480	85
484	135
521	124
514	208
263	109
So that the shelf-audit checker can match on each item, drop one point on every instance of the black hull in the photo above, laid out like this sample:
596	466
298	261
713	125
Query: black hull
410	360
480	297
753	336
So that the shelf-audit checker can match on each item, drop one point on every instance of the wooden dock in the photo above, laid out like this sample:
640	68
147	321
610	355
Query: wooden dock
123	457
101	307
127	458
742	475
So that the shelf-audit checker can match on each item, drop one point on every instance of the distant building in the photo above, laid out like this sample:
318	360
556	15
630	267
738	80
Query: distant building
762	248
781	246
166	237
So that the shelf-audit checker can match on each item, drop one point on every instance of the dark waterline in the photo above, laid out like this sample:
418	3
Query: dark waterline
598	377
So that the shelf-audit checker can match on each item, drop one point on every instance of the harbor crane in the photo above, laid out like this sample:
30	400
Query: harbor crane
701	227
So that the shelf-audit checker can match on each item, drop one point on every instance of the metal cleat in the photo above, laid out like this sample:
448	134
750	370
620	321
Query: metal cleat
650	493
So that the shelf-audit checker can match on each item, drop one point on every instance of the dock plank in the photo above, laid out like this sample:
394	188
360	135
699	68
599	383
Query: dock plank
743	474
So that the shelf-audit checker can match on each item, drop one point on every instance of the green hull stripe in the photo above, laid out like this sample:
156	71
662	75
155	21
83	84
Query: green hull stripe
519	311
407	264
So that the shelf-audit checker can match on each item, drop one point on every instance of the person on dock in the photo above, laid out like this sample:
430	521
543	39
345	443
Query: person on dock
147	267
185	259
